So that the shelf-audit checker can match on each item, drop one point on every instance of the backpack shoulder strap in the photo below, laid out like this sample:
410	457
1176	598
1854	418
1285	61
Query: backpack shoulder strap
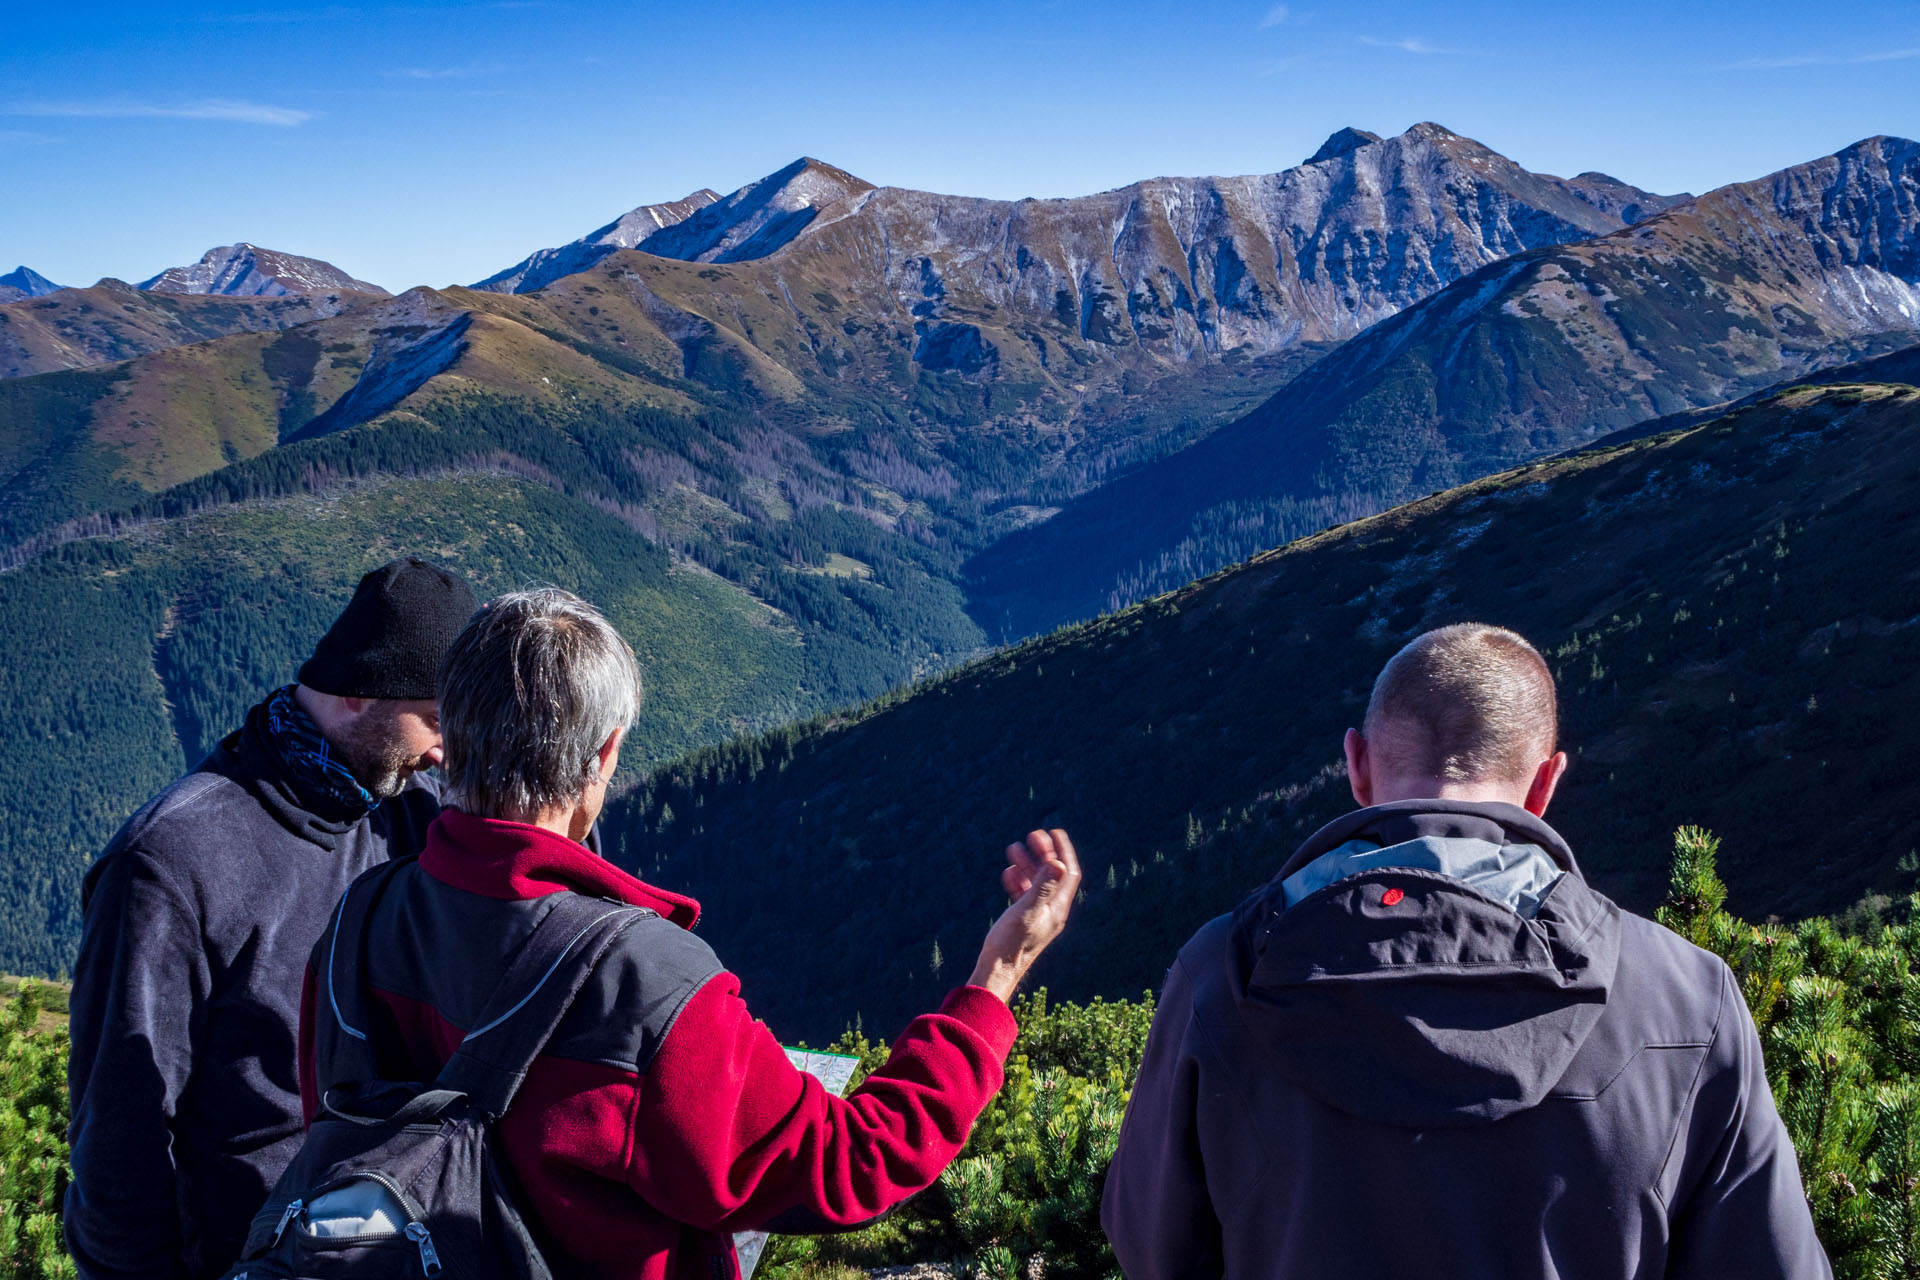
534	994
342	1051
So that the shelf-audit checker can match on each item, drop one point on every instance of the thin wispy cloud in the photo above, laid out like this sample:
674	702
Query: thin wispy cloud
1276	16
335	13
235	110
1413	44
440	73
1824	60
26	138
1280	66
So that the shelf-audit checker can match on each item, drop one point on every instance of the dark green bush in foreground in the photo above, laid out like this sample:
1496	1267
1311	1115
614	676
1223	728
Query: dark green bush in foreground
33	1141
1837	1004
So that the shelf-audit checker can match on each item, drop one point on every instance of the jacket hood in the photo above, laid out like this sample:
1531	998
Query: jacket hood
1406	995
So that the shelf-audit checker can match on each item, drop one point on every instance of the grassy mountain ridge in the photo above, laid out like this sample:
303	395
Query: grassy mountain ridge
113	320
1748	286
1730	612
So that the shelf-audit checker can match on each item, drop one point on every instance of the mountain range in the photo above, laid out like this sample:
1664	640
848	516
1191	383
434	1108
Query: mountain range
842	437
1751	285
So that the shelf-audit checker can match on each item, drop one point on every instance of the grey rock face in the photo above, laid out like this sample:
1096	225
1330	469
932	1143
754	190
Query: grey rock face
248	271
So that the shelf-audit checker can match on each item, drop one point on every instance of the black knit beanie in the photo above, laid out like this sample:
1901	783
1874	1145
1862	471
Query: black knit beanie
389	640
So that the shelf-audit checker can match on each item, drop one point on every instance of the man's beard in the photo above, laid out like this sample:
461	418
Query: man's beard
378	759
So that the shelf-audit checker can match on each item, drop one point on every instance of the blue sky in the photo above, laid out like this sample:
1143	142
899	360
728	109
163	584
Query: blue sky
436	143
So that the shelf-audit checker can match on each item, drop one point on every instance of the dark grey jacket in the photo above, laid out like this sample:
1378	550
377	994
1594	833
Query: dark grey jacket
1389	1072
198	919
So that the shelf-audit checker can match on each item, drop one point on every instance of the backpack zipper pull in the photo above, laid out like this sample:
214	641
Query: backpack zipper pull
287	1215
429	1256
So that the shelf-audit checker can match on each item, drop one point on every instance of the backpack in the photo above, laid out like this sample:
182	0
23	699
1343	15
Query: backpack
401	1181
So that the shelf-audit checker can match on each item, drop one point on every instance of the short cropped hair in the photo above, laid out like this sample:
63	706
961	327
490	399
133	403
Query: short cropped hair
1464	703
529	692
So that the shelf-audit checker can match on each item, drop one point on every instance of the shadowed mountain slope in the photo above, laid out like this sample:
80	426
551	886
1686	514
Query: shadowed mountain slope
1730	613
1746	287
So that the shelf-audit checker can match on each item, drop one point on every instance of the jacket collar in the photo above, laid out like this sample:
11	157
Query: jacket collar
1411	819
515	861
248	756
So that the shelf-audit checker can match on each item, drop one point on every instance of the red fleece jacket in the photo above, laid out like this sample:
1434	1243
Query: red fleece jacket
663	1116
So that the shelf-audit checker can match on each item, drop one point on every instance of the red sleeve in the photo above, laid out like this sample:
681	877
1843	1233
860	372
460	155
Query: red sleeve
309	1084
727	1134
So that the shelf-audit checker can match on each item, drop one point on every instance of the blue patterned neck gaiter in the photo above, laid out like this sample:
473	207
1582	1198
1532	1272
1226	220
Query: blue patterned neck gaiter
310	761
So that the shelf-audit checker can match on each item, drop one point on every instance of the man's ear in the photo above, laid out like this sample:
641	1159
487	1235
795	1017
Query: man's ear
609	753
356	707
1359	775
1545	779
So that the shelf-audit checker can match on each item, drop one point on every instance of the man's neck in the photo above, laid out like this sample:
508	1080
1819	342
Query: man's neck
1438	789
571	822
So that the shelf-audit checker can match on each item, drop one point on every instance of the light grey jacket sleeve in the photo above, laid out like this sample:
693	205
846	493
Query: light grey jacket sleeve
1156	1209
1742	1210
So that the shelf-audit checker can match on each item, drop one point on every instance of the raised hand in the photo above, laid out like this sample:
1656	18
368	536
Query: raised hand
1042	877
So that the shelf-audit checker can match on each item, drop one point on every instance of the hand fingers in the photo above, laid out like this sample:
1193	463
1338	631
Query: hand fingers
1015	881
1040	844
1064	853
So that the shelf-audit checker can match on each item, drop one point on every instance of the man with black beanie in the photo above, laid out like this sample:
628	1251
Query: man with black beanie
198	918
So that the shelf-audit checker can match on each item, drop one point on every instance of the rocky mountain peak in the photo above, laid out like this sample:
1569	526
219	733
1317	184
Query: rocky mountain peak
1342	142
249	271
25	282
762	216
628	231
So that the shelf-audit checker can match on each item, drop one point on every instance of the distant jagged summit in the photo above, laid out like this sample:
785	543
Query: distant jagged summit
25	282
1348	139
628	231
247	271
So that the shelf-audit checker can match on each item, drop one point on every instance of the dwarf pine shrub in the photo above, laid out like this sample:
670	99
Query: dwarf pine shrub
33	1141
1837	1010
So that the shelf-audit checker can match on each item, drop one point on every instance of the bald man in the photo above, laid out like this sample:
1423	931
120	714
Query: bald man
1428	1048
